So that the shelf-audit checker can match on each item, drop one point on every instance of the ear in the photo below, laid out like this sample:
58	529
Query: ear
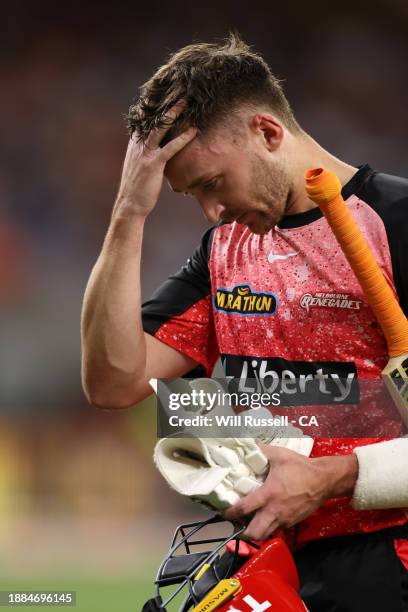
269	128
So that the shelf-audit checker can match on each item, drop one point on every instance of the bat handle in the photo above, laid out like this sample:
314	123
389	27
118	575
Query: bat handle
324	188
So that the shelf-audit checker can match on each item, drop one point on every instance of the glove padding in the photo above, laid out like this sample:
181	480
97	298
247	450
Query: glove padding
218	472
215	471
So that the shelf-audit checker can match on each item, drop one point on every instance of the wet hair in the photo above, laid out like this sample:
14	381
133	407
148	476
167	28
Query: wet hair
215	80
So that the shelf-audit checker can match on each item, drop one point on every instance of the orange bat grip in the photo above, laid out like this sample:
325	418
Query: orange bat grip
324	188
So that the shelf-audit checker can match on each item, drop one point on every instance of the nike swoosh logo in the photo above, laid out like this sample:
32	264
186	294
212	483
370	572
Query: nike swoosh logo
272	257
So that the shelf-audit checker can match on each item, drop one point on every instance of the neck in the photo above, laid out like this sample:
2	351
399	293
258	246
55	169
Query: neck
311	155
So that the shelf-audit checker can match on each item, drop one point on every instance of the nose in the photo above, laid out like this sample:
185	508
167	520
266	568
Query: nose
212	209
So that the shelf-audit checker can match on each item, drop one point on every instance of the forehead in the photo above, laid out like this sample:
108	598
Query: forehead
201	156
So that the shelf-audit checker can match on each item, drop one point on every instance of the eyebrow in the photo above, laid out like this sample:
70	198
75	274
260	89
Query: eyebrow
196	183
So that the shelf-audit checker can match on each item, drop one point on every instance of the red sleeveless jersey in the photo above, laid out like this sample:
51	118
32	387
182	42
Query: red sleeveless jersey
288	304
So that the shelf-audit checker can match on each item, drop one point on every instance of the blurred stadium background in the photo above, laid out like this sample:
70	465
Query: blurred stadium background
81	506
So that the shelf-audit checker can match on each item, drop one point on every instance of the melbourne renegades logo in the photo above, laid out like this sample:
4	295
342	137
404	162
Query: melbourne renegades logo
329	300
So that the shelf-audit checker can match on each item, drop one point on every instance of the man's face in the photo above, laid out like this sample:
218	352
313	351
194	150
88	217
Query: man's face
232	179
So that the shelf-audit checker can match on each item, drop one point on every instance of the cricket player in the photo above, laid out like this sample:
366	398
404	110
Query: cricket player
270	292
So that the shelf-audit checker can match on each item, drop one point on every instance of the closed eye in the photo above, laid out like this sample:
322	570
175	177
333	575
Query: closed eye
210	185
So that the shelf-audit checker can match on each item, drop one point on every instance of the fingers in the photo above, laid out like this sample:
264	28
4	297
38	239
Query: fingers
247	505
175	145
156	135
262	525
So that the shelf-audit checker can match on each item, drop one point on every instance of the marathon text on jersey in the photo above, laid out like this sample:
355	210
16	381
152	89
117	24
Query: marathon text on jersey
242	300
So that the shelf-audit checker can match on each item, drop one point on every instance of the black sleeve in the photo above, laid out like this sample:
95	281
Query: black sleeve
388	196
179	312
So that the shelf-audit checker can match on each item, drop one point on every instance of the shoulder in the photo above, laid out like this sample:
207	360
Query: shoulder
386	193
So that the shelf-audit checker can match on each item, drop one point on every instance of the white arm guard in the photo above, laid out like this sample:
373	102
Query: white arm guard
383	475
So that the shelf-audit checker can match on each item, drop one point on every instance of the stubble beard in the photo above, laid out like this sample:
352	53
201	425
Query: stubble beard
269	191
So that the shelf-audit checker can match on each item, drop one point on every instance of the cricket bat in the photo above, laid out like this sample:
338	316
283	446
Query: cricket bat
324	188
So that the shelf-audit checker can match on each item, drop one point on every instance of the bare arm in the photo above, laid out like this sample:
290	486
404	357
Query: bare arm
118	358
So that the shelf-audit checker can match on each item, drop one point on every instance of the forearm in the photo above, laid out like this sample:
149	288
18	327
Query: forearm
340	473
113	345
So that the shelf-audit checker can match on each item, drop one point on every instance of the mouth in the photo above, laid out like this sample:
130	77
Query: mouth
257	225
230	218
248	219
241	219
